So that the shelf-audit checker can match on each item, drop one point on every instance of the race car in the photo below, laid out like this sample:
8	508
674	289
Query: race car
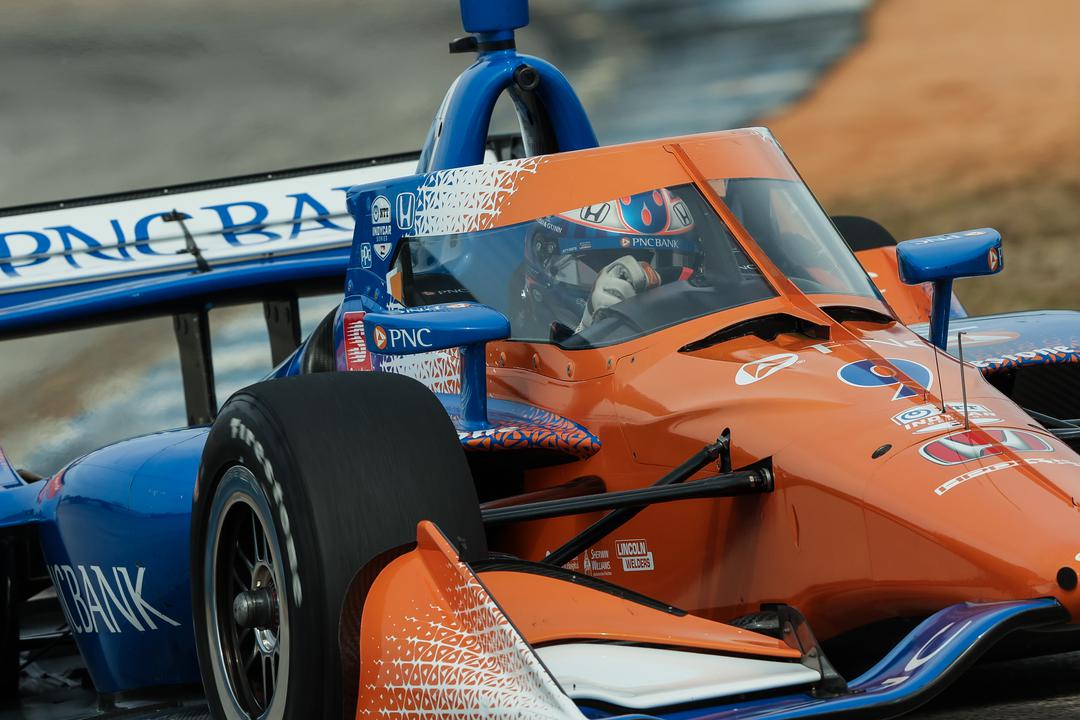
592	432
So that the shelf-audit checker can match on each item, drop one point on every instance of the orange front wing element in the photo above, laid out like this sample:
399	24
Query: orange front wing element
434	640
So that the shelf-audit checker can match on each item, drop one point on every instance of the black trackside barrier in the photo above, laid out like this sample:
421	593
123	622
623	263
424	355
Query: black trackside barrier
736	483
717	451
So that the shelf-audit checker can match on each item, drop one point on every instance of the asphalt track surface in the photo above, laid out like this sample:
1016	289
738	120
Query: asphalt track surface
115	94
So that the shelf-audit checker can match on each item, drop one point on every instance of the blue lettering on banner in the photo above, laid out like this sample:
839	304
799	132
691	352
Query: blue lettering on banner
231	230
302	200
8	267
66	233
80	243
887	373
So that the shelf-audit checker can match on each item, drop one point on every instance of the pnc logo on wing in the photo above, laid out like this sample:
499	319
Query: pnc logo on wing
888	373
751	372
966	445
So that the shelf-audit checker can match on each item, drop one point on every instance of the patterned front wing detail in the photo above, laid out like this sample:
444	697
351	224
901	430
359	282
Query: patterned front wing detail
1049	355
439	370
523	427
459	658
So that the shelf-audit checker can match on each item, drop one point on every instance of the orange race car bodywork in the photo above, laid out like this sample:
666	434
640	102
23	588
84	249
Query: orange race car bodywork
864	523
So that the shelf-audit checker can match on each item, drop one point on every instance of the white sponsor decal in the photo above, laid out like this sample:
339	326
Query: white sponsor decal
490	432
241	432
929	418
1003	465
597	562
757	370
635	555
380	211
365	256
407	338
228	224
1023	355
406	207
97	599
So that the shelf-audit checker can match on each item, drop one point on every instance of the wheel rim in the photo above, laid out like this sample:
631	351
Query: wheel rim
247	611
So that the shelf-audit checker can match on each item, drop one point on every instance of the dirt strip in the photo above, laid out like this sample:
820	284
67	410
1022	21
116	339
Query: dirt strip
954	115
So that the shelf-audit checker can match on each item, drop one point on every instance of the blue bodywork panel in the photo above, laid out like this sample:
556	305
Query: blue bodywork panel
434	327
111	298
998	343
115	530
918	668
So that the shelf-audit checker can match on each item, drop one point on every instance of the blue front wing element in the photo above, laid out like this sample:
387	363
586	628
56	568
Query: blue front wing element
916	670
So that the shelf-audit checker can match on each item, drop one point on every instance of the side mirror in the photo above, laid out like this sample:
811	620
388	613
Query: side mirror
943	258
469	326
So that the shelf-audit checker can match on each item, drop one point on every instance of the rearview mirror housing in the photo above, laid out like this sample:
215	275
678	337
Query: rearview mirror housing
943	258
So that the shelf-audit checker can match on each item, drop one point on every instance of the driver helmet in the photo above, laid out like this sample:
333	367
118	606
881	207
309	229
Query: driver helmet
564	253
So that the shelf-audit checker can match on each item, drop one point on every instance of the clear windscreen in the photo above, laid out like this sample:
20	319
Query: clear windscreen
788	224
615	270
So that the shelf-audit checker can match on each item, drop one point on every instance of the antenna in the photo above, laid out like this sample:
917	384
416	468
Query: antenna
937	369
963	384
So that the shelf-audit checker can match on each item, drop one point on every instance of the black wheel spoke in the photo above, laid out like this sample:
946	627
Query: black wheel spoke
245	574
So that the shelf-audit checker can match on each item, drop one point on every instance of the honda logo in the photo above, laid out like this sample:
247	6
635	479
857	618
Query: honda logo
751	372
595	213
960	447
406	204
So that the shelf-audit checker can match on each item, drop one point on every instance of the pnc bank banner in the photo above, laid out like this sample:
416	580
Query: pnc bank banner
194	229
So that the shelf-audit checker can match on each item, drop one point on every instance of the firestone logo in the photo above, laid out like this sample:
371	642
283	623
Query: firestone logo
757	370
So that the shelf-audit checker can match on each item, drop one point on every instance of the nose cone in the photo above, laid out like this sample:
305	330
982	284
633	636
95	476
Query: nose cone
968	519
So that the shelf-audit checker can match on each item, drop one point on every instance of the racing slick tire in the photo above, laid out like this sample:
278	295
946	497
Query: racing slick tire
303	481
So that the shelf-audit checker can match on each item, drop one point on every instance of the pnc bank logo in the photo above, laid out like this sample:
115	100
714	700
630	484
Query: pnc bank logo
757	370
380	337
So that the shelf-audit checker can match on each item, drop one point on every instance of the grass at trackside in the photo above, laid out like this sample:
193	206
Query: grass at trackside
1039	220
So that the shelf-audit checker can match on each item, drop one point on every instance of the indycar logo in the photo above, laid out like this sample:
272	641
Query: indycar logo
887	373
969	445
924	419
757	370
383	249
